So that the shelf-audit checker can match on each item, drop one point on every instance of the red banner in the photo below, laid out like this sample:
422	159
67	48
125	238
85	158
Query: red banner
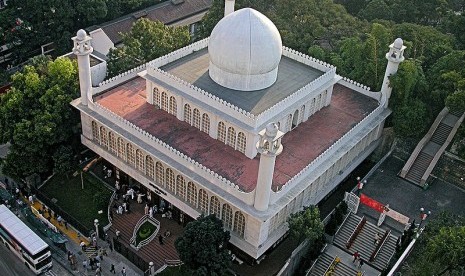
373	204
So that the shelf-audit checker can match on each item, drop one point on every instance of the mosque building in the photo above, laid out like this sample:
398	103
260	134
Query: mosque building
235	125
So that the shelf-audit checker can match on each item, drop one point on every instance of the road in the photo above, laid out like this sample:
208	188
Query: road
11	265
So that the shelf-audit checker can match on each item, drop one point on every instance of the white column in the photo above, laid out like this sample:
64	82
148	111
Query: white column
395	56
269	146
228	7
82	49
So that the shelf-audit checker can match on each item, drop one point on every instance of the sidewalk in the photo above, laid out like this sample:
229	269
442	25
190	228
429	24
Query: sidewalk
112	257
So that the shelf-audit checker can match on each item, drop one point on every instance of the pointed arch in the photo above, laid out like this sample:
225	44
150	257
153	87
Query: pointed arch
159	174
181	187
215	207
121	148
156	96
205	123
112	142
241	142
95	135
187	114
169	180
192	194
302	114
140	160
203	201
231	137
130	154
164	101
173	106
196	118
221	132
149	170
227	216
289	122
103	137
239	223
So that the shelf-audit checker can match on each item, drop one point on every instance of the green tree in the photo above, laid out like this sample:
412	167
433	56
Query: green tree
63	160
448	248
306	224
146	41
376	9
411	119
35	115
203	246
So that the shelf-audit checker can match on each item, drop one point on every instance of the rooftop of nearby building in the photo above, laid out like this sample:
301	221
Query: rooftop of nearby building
292	75
301	146
166	12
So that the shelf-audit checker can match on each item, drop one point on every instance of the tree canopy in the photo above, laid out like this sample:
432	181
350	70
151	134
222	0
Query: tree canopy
306	224
36	117
146	41
203	246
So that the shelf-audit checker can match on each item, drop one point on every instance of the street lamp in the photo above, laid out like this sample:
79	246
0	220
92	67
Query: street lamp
96	227
151	268
360	185
423	216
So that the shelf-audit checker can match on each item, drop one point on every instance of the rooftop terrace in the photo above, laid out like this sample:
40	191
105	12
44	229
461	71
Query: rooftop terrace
301	146
292	75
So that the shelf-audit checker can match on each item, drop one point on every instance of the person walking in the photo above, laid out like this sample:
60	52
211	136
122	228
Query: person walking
112	269
378	238
360	264
356	256
123	271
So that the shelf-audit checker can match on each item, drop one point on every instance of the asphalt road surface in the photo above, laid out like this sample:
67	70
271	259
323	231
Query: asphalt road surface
11	265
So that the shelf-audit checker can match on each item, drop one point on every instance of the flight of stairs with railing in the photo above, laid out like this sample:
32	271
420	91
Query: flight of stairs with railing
425	156
357	234
326	264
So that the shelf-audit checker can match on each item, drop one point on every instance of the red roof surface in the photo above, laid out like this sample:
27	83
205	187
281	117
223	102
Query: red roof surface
301	146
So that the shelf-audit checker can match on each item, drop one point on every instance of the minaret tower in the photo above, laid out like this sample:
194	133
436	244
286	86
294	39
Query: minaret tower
82	49
269	147
395	56
228	6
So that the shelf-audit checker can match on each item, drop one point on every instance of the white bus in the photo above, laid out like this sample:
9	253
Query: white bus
22	241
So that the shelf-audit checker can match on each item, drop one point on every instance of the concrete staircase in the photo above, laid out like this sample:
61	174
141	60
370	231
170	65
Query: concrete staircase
364	242
425	156
324	261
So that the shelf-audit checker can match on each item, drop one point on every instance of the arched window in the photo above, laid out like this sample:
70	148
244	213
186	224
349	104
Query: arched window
130	155
191	193
231	137
239	223
205	123
203	202
140	160
149	171
312	107
289	122
95	135
164	101
112	142
103	137
159	174
241	142
173	106
295	119
196	121
181	187
302	114
169	180
221	132
156	96
215	207
121	148
226	216
187	114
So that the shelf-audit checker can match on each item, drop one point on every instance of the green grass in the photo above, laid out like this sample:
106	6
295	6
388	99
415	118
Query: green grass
82	204
145	231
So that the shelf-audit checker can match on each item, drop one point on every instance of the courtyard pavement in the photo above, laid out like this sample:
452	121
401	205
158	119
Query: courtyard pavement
406	198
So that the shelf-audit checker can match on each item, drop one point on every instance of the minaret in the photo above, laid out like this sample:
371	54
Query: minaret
228	7
395	56
82	49
269	147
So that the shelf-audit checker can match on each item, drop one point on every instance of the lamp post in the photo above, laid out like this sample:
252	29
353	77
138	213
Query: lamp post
151	268
423	216
360	185
96	227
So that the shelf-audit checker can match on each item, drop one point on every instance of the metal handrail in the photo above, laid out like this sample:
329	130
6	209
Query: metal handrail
355	232
378	247
342	224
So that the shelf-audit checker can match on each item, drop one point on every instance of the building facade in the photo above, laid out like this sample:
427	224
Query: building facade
235	125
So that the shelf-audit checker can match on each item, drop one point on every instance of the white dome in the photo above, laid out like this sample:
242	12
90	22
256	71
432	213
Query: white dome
398	43
81	34
271	130
245	49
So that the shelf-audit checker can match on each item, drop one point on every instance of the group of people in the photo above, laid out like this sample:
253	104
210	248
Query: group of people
357	260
